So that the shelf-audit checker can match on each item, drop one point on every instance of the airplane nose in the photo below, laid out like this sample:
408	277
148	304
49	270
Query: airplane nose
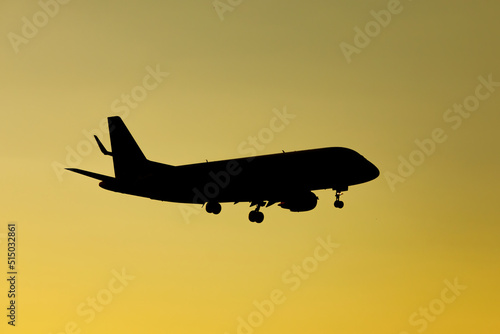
373	171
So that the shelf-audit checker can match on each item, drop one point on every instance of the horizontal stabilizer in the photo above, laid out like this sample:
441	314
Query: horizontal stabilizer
91	174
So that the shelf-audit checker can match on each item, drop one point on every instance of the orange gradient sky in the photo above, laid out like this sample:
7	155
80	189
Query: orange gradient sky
413	86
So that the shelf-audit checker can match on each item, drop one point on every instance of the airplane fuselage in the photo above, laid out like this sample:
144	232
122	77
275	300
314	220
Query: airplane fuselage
271	177
285	178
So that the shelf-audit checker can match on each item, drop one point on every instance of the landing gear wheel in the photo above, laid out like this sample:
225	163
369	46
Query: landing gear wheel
256	216
251	216
213	207
260	217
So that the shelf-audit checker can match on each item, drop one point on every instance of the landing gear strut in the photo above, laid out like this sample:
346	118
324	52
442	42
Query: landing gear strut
338	203
255	215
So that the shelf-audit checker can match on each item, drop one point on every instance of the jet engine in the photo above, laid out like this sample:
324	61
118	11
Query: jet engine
302	202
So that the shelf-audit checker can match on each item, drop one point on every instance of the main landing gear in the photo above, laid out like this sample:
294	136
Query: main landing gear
338	203
255	215
213	207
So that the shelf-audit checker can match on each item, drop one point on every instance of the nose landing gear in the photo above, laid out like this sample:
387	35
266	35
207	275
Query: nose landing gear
338	203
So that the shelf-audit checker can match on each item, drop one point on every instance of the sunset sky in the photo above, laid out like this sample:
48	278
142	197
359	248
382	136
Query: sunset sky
413	86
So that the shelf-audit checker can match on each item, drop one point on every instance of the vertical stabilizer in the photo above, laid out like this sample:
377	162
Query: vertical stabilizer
128	160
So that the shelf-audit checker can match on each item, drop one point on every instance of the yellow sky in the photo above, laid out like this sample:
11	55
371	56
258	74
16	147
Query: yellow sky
414	86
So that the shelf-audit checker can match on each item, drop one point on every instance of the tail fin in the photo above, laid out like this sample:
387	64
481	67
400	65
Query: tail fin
128	160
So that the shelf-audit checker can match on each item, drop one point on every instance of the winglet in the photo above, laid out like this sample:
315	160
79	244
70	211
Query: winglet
101	147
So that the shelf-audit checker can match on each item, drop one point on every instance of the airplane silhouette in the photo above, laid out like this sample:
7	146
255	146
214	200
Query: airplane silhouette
284	178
